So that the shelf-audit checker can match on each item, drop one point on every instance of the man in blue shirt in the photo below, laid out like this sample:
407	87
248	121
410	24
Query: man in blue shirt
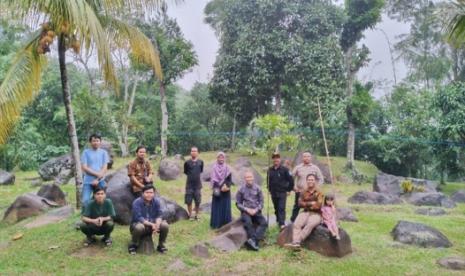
94	163
147	220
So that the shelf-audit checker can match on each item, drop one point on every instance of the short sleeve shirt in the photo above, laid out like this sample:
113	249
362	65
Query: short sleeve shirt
95	160
193	169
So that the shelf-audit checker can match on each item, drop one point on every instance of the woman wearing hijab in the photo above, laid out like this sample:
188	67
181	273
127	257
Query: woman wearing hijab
221	199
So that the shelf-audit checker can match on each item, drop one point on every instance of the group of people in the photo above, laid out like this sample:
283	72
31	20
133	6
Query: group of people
311	207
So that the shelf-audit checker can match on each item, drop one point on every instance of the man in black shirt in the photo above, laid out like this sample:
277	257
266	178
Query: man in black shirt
280	183
193	168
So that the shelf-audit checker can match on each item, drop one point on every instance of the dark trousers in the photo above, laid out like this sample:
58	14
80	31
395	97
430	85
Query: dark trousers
139	230
249	225
296	208
279	203
90	229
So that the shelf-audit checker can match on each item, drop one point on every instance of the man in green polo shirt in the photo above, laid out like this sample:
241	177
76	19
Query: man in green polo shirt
97	218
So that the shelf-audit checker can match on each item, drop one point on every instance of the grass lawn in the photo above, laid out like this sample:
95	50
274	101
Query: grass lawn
375	253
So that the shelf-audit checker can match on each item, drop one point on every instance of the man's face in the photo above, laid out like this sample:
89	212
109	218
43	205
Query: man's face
148	195
307	158
99	196
141	153
194	153
220	159
95	143
311	182
249	178
276	161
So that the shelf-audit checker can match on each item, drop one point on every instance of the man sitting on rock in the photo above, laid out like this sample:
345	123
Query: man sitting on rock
147	220
97	218
140	172
249	200
310	200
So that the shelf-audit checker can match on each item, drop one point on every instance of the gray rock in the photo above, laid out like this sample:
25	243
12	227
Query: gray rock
53	216
200	250
146	245
455	263
320	240
364	197
27	205
459	196
431	199
346	214
52	193
419	234
108	147
59	169
119	191
432	211
206	207
169	169
6	178
231	237
241	166
179	157
391	184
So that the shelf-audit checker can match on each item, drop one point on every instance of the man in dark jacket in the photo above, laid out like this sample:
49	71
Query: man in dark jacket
280	184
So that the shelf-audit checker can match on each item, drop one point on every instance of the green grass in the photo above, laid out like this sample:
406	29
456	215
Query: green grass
374	250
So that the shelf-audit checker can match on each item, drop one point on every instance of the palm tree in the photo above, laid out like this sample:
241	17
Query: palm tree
456	25
73	24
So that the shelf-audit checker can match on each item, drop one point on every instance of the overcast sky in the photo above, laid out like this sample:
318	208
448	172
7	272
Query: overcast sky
190	17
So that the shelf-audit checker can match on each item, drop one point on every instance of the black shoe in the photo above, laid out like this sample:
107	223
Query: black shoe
132	249
162	249
107	241
252	244
89	241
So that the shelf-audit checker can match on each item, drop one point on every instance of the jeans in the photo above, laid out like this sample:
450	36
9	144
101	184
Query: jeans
254	233
88	190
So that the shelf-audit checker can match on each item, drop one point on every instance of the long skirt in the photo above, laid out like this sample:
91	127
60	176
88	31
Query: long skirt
221	210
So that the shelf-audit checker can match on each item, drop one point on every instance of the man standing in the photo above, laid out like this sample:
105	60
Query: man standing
94	163
249	200
147	220
280	183
140	172
97	218
300	172
193	168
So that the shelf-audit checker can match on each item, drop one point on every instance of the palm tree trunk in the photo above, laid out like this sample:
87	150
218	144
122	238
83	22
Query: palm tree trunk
350	124
164	121
70	117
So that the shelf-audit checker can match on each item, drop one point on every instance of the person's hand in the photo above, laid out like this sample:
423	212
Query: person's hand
288	193
224	188
95	182
155	227
253	212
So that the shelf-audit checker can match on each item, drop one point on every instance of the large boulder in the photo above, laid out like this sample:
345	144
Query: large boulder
431	199
365	197
52	193
26	206
459	196
320	240
391	184
59	169
6	178
324	168
169	169
230	237
53	216
241	166
419	234
454	263
345	214
119	191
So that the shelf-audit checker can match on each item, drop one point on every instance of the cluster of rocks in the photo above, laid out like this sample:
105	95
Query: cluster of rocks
238	170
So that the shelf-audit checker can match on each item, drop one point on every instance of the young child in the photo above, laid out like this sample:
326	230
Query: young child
328	212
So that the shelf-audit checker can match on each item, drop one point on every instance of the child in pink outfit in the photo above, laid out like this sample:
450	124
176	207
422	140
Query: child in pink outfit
328	212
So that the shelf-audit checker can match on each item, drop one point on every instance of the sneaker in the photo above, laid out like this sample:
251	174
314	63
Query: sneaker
107	241
281	227
89	240
132	249
338	237
162	249
252	244
192	218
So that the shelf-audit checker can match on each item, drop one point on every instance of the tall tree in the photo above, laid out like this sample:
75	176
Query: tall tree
176	57
72	24
361	15
274	52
